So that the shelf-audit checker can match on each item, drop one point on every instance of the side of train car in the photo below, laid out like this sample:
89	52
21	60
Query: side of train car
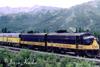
80	43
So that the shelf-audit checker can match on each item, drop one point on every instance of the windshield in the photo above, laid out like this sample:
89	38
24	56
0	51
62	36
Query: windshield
88	39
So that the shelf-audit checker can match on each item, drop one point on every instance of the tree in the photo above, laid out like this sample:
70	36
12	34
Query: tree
45	31
87	30
61	31
30	31
79	29
4	30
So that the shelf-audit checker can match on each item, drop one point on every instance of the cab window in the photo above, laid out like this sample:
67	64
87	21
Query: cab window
88	40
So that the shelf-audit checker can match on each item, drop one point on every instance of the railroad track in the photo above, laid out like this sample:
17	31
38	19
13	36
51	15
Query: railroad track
14	49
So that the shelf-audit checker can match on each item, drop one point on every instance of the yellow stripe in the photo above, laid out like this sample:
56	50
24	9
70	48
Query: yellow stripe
1	39
4	39
92	46
72	46
10	39
49	44
14	40
33	43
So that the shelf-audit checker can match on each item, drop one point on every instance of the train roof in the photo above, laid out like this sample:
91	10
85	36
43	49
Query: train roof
68	34
58	34
33	33
10	34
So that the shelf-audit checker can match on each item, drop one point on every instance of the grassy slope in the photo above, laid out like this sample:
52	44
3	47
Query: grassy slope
29	59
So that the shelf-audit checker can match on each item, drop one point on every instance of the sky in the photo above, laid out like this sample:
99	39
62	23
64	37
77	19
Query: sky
31	3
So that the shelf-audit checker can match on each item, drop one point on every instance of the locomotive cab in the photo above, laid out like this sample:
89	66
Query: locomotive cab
89	45
91	41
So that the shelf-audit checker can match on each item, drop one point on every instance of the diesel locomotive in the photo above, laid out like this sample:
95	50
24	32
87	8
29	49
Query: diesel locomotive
79	43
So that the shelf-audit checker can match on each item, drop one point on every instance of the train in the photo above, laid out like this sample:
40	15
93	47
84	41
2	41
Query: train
84	43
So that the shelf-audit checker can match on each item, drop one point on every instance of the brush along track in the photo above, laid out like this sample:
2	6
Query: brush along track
14	49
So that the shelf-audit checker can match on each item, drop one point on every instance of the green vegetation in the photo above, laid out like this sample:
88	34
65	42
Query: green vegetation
26	58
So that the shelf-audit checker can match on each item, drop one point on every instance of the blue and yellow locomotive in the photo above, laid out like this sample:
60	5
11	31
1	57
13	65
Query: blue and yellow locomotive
80	43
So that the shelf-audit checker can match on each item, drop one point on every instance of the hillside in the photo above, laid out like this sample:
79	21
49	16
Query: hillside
42	18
